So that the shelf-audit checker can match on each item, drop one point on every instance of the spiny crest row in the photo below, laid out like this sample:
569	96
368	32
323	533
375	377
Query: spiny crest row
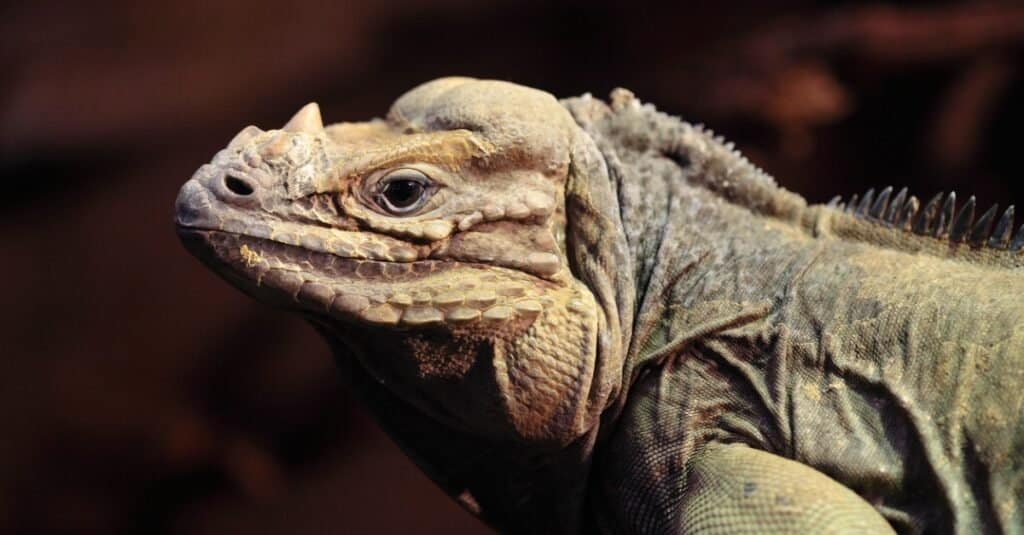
730	147
938	218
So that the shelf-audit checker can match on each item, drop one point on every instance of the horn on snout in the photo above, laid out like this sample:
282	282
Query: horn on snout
306	119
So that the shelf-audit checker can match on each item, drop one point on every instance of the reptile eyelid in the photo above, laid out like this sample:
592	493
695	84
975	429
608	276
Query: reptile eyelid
380	187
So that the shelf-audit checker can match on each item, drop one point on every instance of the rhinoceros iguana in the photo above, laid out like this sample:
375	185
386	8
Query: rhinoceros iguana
582	316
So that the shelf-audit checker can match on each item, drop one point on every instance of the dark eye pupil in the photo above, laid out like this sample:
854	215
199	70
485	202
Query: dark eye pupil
403	193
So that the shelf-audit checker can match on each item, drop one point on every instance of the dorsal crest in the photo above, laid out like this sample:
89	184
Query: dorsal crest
939	218
894	220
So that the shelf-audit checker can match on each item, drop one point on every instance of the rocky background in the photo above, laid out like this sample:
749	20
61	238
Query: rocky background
140	394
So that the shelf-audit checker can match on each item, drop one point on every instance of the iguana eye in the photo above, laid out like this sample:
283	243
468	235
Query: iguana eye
403	191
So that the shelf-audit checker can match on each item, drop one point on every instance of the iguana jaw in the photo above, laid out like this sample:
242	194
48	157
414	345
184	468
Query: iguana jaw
427	293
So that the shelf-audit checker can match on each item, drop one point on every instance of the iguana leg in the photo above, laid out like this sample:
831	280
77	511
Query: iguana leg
737	489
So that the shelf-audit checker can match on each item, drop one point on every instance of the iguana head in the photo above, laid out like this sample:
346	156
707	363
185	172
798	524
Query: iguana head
431	244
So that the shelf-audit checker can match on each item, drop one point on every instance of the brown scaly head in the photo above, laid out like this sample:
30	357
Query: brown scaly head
431	245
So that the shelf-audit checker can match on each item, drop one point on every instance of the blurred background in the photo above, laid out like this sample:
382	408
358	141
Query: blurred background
140	394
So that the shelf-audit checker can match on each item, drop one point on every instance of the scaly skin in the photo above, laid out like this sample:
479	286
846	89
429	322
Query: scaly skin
602	318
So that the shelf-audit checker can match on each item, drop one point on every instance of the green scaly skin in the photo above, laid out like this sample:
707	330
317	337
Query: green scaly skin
606	319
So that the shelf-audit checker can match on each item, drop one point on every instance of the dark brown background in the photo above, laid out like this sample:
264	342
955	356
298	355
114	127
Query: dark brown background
139	393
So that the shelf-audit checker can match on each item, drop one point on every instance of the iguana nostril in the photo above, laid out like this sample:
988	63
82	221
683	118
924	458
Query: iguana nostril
238	186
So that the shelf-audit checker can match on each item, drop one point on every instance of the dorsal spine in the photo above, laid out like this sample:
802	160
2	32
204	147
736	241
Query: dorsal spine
939	218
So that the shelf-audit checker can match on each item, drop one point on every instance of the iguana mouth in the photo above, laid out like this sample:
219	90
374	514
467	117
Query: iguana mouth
380	292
